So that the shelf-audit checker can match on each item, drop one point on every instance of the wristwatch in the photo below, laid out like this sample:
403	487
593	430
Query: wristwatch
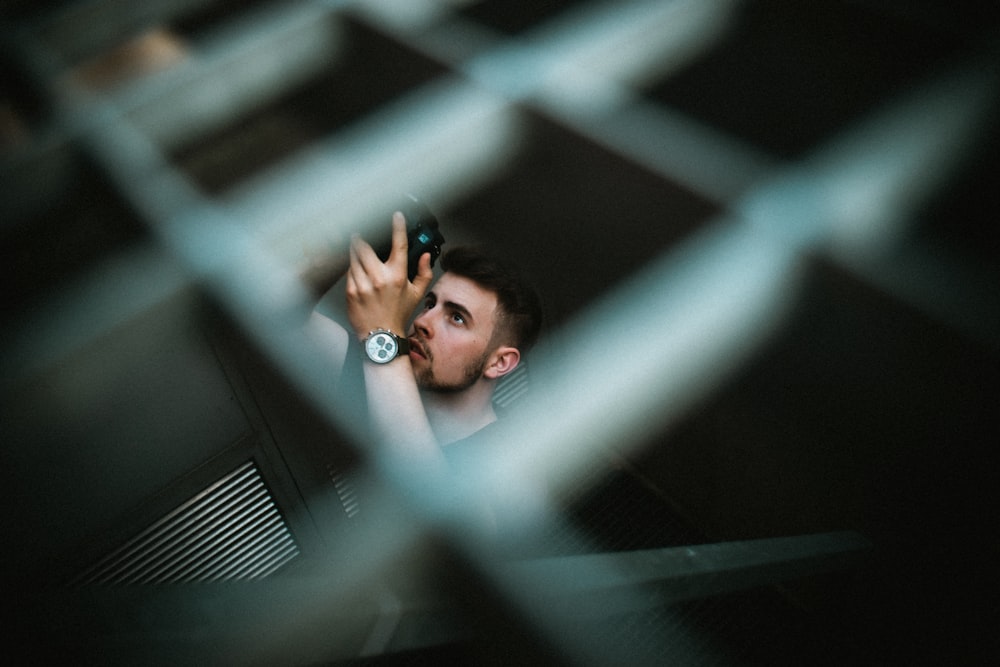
382	346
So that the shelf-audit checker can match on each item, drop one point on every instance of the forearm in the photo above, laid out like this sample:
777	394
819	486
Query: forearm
397	413
319	269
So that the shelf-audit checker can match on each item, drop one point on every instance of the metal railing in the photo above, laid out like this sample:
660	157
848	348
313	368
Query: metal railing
709	303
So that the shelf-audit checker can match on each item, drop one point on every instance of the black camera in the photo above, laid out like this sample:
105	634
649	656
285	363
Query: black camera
422	234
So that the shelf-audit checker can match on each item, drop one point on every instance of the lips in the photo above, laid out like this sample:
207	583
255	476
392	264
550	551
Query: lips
416	347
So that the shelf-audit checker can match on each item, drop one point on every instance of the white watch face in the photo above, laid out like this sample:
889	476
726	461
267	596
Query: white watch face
381	347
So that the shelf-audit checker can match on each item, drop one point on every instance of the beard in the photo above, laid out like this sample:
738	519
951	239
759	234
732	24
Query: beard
428	381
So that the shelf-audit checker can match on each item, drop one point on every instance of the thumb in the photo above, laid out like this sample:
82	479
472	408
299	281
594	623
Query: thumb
424	273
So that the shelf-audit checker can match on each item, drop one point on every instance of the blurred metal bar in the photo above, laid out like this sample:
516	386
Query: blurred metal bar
717	166
234	75
698	313
355	176
587	56
592	584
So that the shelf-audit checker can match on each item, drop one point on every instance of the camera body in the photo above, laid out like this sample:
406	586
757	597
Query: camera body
422	234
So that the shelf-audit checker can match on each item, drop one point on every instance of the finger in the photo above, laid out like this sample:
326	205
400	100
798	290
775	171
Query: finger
424	273
357	272
400	245
350	287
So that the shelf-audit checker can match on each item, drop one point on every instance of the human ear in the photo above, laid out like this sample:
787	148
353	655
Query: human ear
502	361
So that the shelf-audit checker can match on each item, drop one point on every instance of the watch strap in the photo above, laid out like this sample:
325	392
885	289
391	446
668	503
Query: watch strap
404	345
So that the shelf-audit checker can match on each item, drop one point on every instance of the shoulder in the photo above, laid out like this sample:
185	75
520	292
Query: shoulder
461	451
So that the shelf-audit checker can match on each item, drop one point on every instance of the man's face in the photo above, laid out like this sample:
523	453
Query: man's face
450	337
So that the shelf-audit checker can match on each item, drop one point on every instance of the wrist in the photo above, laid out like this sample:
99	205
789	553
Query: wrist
382	345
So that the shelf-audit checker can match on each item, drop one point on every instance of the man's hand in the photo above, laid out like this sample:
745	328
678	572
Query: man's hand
379	295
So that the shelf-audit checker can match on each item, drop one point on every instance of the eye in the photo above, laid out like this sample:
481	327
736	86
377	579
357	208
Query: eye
429	302
458	318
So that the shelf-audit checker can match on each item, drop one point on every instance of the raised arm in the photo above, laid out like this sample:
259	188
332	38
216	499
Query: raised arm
379	296
320	270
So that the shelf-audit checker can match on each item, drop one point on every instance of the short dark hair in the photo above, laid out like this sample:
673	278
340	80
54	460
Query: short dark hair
520	308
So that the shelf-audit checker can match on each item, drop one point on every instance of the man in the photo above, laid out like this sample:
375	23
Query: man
428	383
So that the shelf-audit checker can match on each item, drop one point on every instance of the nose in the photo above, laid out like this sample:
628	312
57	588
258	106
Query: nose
421	323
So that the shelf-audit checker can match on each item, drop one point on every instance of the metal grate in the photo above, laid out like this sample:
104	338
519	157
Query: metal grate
511	387
778	142
232	530
344	485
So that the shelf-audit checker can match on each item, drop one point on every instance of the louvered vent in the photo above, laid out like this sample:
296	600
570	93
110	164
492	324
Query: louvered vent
343	482
232	530
511	387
